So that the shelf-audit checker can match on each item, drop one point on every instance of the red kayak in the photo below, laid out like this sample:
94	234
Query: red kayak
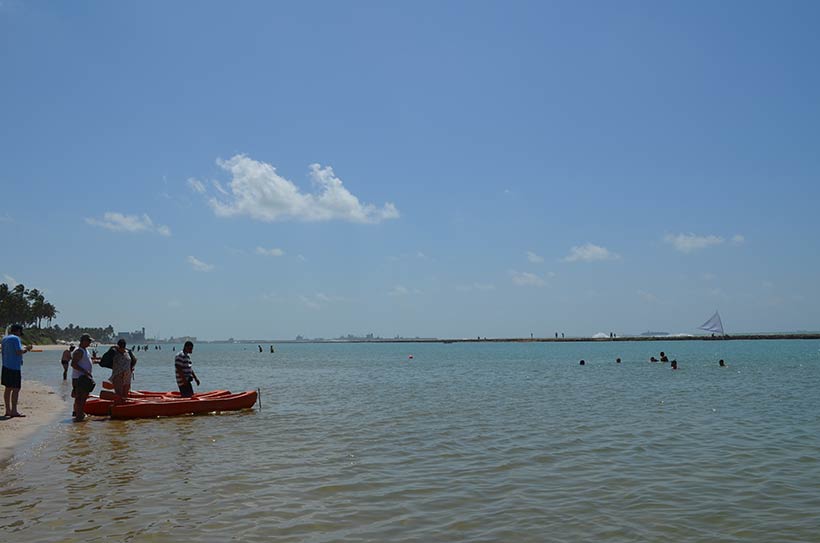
167	404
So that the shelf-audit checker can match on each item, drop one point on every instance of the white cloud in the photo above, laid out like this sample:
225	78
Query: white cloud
738	239
258	192
317	300
196	185
301	258
198	265
534	258
590	253
717	293
475	286
6	218
527	279
399	290
647	296
686	243
117	222
418	255
219	188
269	252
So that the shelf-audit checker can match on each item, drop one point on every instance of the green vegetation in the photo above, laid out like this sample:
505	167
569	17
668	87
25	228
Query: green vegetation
27	307
30	308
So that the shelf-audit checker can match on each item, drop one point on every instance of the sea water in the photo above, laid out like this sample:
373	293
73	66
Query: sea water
495	442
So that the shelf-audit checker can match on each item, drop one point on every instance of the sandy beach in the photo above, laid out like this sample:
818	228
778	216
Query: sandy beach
41	405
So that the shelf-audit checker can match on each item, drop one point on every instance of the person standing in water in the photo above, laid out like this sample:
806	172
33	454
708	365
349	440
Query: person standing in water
81	367
184	371
122	369
65	360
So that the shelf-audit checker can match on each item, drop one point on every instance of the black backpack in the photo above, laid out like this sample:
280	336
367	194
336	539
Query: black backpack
107	360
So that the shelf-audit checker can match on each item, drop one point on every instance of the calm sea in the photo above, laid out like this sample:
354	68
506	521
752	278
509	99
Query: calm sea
464	442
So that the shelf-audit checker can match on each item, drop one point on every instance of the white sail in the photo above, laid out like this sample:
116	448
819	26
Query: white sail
713	325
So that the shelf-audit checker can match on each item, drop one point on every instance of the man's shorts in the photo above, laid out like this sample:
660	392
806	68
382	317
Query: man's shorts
186	391
76	389
11	378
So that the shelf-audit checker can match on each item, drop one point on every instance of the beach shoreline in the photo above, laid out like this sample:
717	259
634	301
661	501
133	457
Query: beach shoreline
41	404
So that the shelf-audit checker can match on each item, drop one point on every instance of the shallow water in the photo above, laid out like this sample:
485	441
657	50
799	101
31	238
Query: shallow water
465	442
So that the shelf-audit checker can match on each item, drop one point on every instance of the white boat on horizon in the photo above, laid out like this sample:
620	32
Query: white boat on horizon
714	325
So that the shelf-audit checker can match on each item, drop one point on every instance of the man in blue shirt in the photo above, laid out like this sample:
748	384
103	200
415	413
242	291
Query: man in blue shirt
12	369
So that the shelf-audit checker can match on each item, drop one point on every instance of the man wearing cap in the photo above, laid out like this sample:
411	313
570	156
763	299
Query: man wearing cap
12	369
80	365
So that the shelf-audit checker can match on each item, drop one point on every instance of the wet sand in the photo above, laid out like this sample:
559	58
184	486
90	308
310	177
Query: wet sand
41	405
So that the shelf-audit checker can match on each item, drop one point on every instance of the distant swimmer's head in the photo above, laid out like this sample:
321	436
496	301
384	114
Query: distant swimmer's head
582	363
721	363
653	359
674	364
617	360
663	353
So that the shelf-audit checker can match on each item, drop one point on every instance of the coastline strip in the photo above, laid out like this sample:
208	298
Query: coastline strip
41	405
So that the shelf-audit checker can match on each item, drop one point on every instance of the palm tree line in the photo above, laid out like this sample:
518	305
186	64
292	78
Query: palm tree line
30	308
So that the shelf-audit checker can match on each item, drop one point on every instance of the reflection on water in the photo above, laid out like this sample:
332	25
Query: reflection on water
465	442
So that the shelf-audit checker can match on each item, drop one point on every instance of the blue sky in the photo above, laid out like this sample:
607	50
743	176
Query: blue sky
450	169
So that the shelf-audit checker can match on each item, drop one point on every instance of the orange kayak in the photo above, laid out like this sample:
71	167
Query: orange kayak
163	405
165	396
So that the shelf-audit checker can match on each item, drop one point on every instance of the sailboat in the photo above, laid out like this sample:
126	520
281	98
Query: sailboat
714	325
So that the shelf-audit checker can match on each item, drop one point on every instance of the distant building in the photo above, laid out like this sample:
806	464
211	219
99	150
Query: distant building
137	336
182	339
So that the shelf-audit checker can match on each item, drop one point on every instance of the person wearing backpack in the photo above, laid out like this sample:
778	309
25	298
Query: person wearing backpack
122	368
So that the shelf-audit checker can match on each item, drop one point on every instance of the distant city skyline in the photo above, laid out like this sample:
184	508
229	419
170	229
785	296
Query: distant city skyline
435	169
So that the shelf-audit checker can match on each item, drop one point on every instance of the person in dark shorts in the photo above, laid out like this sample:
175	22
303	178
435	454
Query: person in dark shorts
81	366
65	360
12	375
184	372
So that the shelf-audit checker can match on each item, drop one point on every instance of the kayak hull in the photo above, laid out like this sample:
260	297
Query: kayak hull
170	405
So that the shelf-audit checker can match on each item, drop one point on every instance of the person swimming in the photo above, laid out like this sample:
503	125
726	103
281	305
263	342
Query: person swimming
664	358
617	360
721	363
581	363
653	359
674	364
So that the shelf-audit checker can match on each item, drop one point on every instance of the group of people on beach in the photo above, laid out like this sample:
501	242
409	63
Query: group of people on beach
118	358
